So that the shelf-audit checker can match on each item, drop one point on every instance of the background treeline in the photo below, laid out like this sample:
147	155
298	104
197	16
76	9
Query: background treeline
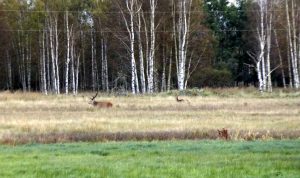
146	46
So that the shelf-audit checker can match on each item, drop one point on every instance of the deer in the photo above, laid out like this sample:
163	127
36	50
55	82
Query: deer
179	100
182	100
100	104
223	134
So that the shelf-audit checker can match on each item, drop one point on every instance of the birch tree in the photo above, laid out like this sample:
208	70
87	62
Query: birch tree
182	32
68	34
292	41
151	56
261	56
132	9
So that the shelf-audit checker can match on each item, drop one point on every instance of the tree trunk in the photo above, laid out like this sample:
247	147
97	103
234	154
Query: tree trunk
141	55
68	54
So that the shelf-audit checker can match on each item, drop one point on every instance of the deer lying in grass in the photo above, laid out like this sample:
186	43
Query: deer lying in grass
179	100
100	104
182	100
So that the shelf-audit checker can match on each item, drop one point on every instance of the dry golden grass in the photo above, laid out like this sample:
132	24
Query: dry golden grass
36	114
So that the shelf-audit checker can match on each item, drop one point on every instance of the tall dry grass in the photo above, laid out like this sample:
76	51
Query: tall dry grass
35	117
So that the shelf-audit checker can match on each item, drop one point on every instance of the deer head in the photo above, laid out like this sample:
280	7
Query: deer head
100	104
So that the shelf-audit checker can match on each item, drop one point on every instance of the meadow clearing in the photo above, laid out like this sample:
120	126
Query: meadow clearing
36	118
151	136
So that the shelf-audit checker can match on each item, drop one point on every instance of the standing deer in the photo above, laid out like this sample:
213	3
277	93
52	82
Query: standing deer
100	104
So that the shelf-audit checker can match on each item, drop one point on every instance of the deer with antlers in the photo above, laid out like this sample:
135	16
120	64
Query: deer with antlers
100	104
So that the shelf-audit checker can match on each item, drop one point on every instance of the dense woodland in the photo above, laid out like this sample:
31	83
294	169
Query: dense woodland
146	46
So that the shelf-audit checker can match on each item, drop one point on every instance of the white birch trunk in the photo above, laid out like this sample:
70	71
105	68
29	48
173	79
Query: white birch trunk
182	35
295	40
43	67
151	59
56	58
104	71
53	56
292	44
141	55
68	54
170	71
72	52
77	74
269	37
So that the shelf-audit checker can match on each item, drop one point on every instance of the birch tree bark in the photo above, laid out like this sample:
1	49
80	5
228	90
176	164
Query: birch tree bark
132	10
151	59
104	71
68	54
94	64
53	55
183	26
43	65
292	39
141	54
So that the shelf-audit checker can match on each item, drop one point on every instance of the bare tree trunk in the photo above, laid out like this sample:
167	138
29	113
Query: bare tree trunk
56	57
77	74
269	37
141	55
130	4
163	76
295	60
28	63
53	56
9	71
170	71
94	85
151	59
182	35
292	45
68	54
48	60
73	66
104	71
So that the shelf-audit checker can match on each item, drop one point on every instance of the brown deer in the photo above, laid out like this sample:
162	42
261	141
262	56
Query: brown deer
182	100
100	104
223	134
179	100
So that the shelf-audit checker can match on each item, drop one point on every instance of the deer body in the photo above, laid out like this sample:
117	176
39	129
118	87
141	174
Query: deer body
179	100
100	104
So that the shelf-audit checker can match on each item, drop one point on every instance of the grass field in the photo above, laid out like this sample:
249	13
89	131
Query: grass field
32	117
81	139
154	159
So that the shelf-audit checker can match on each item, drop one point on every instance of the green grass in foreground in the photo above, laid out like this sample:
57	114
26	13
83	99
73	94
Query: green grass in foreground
153	159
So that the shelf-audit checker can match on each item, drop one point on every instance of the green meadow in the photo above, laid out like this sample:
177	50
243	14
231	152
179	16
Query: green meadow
153	159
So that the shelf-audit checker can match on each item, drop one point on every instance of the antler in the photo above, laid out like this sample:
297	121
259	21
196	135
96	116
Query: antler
94	96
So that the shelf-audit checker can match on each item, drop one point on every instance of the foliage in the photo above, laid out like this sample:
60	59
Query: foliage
227	23
213	78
